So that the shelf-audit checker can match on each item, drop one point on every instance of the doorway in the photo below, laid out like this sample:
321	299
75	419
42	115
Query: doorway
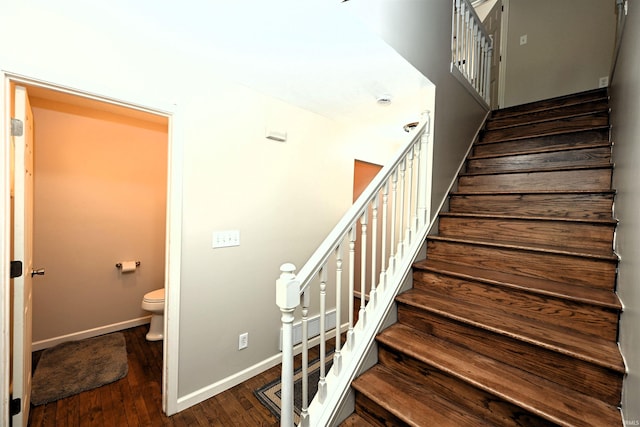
363	174
105	109
100	178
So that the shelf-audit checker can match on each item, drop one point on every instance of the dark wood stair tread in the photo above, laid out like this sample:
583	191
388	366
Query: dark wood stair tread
607	255
583	294
539	396
541	150
570	137
553	103
537	170
538	117
583	205
573	107
527	192
571	343
531	218
414	405
503	135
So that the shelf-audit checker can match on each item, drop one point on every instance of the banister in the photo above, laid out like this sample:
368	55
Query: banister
472	51
326	248
474	14
404	222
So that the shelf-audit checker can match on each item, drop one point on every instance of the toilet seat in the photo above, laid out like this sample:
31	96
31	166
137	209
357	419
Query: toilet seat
154	296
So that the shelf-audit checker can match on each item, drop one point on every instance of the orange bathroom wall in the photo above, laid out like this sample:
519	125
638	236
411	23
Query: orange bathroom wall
100	198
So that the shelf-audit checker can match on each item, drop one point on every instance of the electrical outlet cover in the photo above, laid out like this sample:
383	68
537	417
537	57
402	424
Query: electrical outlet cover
243	341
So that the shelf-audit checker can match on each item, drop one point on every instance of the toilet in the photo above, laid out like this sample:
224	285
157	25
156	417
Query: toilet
154	302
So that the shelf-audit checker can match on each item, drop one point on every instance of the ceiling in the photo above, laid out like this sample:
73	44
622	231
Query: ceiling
313	54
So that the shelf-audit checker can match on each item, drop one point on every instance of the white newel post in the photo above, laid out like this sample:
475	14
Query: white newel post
287	298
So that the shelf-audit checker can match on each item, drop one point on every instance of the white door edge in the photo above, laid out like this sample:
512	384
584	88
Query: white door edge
502	81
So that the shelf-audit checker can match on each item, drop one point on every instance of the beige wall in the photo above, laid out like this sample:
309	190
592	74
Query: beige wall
625	104
100	198
569	47
283	197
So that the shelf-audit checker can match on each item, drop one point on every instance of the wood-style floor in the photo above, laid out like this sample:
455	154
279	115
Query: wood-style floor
136	399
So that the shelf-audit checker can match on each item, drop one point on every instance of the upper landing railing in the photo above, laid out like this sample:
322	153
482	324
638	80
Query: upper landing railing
472	50
366	257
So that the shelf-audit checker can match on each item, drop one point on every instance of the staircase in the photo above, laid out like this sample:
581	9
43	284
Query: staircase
513	316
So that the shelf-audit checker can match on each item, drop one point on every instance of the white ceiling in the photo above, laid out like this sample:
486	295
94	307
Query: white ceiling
313	53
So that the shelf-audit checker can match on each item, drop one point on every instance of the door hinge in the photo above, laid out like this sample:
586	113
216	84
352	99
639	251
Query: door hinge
16	269
17	127
15	407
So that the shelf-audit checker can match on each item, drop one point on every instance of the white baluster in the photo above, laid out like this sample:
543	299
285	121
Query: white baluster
394	207
465	40
322	383
351	293
363	268
427	150
402	190
469	42
415	223
458	35
487	96
481	65
476	56
409	180
337	356
423	181
383	255
287	298
304	410
374	250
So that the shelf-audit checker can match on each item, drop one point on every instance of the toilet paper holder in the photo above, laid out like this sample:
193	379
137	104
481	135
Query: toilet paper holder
119	265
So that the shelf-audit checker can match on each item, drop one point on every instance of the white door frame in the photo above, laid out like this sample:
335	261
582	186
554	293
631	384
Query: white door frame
173	236
504	36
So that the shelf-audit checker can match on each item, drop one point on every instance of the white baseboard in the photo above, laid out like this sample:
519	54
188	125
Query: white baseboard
90	333
209	391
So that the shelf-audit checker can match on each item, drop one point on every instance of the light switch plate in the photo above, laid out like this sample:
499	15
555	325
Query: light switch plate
523	39
226	238
603	81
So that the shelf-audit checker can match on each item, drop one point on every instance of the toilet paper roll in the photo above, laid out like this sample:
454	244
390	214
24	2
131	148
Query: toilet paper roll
128	266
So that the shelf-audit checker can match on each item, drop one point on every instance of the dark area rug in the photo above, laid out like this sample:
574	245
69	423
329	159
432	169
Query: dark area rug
76	366
270	394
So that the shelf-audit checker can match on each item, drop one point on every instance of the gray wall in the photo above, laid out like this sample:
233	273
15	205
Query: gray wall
625	105
420	30
569	47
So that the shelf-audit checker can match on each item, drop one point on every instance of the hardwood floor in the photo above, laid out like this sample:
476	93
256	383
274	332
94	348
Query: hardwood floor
136	399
